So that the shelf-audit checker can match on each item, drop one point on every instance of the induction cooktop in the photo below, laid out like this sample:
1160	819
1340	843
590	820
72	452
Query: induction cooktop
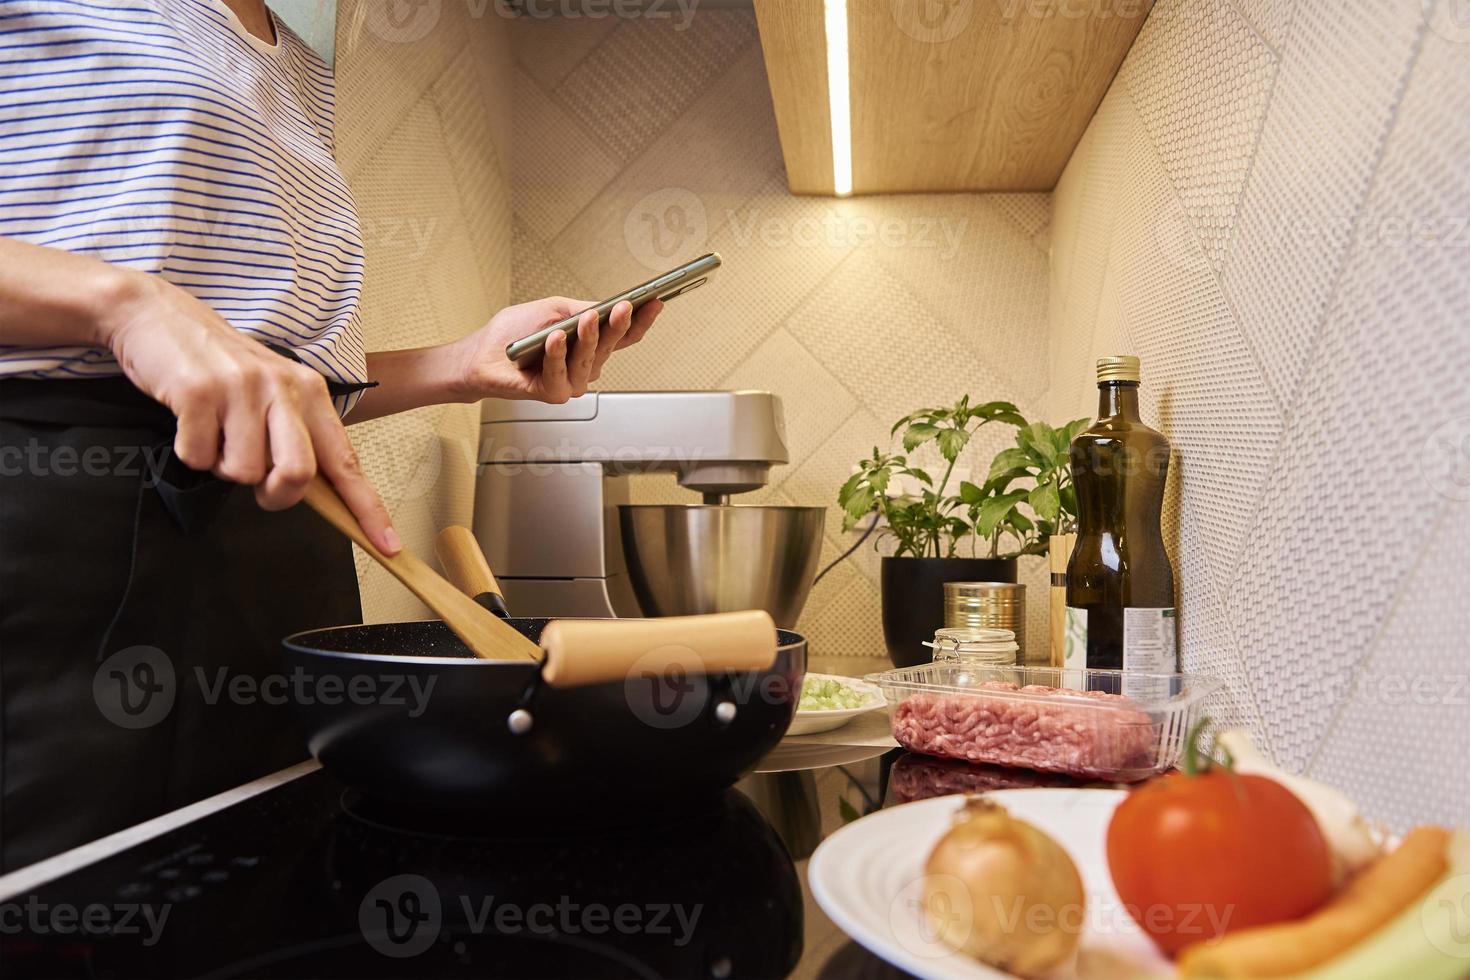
309	880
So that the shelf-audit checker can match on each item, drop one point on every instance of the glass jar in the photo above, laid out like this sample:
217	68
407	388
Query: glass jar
975	646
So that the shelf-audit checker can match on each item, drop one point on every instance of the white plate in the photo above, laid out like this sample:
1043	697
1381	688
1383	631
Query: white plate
868	878
810	722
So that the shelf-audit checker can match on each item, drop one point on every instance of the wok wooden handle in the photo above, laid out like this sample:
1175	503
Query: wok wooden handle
466	568
483	633
590	651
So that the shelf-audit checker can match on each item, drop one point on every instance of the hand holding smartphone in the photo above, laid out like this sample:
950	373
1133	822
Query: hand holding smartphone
676	282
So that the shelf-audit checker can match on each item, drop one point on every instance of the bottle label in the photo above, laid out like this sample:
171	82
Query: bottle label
1074	642
1150	641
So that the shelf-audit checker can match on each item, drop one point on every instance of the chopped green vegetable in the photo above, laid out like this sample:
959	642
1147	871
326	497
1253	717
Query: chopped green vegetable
828	695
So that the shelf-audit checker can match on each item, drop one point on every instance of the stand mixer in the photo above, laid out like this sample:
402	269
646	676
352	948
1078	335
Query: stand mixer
552	509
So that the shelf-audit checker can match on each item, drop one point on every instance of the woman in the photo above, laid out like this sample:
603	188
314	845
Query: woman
180	266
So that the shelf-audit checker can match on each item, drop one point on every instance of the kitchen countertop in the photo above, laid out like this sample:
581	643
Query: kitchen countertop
293	875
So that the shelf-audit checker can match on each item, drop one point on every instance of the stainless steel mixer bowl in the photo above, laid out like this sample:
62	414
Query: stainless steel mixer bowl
689	558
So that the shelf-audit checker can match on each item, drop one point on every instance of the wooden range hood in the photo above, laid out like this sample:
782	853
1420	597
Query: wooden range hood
944	95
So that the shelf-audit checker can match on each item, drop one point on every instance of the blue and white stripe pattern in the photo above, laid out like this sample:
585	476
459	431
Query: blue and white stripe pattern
162	136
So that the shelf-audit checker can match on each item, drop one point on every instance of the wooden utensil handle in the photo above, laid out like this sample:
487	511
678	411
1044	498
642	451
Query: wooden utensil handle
590	651
484	634
464	563
467	570
323	498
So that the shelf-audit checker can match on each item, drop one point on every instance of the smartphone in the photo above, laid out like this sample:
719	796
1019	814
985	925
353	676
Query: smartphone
676	282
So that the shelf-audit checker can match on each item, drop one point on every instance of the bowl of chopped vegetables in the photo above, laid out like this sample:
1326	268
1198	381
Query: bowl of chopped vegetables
830	701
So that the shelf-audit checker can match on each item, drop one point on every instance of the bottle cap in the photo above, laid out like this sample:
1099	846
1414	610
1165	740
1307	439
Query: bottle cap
1117	367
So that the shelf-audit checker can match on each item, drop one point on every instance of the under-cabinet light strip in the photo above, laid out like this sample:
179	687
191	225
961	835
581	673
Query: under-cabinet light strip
838	95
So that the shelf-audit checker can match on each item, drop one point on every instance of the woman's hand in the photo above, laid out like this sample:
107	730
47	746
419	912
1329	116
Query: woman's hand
559	375
244	412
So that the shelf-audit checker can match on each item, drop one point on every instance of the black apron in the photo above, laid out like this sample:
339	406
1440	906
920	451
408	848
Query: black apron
142	607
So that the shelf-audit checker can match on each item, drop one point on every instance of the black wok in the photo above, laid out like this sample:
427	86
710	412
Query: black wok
443	729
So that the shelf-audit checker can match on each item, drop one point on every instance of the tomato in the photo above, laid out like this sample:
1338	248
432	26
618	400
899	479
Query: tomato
1197	856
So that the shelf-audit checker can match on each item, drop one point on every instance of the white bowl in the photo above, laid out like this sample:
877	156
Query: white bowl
811	722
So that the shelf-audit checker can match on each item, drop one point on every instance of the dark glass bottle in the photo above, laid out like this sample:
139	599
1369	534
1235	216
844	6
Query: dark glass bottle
1120	586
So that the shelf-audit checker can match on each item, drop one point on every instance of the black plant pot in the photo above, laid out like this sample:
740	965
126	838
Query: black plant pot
913	599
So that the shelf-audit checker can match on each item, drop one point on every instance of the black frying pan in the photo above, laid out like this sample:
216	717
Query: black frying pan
610	717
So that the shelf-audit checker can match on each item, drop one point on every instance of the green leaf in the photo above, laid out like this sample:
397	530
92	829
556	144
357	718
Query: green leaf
917	434
995	509
1074	428
1000	412
878	480
1007	461
952	443
850	487
1045	501
1069	501
858	504
919	475
1020	521
971	494
1037	437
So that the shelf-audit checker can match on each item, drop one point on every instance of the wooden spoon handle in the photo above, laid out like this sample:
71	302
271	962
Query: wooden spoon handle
483	633
589	651
467	569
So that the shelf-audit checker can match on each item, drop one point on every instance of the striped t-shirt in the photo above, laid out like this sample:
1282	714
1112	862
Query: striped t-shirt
161	135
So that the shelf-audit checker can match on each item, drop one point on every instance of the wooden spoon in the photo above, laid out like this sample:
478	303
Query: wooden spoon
482	631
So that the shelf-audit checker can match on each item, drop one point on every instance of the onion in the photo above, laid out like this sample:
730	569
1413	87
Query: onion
1001	891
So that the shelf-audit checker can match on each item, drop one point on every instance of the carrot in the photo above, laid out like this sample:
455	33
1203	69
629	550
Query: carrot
1375	896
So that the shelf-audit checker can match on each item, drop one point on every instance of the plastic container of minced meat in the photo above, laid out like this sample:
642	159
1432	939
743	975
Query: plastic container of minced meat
1095	724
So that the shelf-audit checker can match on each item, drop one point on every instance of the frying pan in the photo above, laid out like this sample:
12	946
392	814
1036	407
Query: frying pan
609	718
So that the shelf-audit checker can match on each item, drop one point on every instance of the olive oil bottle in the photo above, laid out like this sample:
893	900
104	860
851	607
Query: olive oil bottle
1120	586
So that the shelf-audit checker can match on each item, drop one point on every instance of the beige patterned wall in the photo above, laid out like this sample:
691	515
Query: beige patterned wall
423	135
1272	207
639	144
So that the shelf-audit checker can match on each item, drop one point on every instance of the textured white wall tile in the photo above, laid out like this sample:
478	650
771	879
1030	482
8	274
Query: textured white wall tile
1340	81
814	401
1406	718
1203	124
535	272
1353	506
558	166
550	48
684	185
475	162
1317	402
385	64
1272	19
958	252
421	138
659	70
